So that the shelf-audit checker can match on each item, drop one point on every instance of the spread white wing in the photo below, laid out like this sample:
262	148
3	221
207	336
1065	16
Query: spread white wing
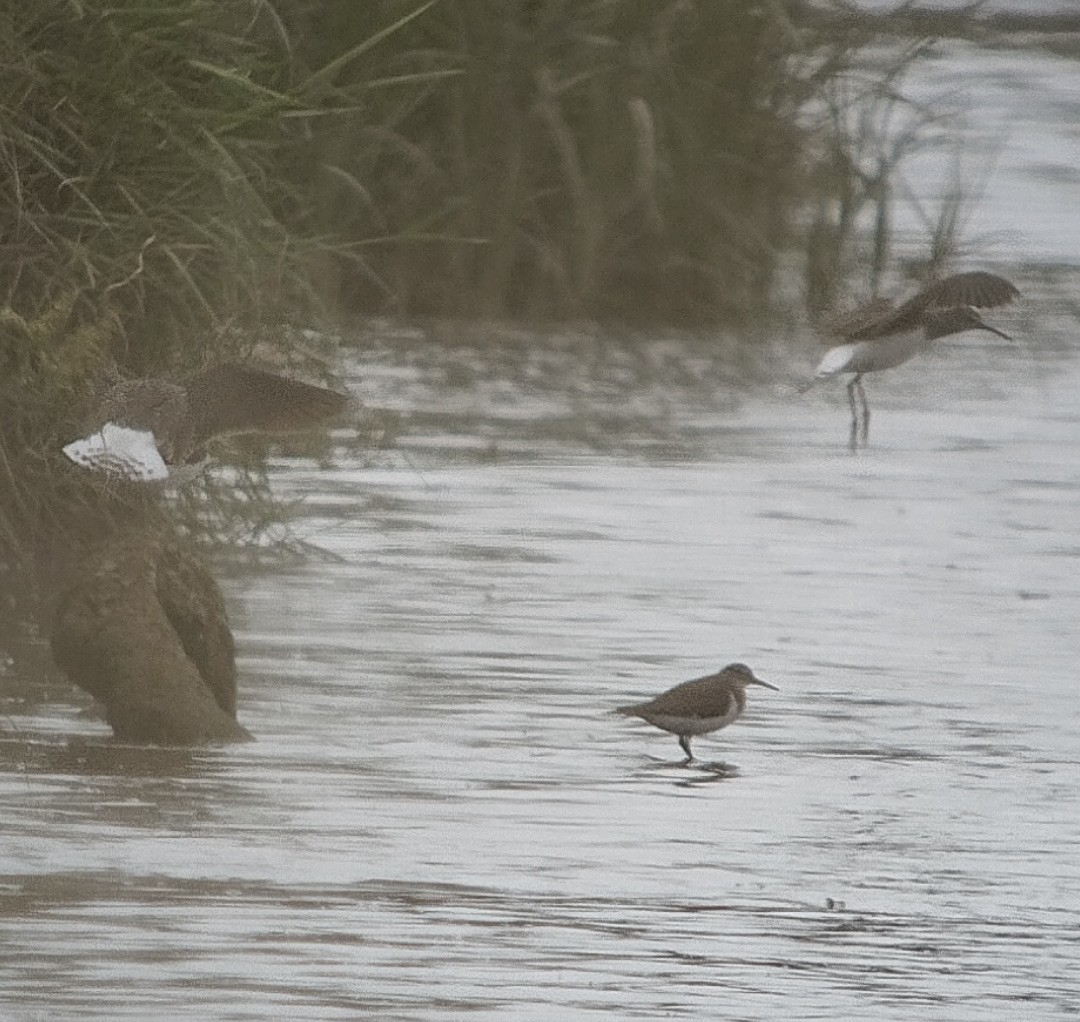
129	453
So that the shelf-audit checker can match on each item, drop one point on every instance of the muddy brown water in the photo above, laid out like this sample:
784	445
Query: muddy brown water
443	819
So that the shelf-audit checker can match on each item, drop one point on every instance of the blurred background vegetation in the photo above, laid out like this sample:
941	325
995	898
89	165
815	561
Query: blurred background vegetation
177	169
182	178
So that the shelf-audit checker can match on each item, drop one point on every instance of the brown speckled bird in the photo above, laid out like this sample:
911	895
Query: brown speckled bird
880	335
700	706
146	427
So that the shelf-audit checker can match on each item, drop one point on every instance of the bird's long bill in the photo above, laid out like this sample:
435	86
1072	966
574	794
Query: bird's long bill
995	330
764	684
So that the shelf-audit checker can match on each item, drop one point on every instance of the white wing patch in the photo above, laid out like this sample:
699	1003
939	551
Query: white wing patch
129	453
836	360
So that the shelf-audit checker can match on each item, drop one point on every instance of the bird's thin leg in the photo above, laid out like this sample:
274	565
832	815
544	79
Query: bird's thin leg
684	741
865	411
853	437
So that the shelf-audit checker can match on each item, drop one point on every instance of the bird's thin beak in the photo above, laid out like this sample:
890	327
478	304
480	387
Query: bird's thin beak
764	684
1000	333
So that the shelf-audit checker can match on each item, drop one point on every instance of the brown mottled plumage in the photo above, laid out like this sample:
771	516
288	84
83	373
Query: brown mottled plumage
880	335
183	417
880	317
700	706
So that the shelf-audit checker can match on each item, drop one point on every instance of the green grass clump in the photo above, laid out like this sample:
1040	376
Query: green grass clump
139	144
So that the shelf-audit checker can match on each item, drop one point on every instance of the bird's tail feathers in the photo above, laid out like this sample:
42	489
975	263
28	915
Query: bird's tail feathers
837	360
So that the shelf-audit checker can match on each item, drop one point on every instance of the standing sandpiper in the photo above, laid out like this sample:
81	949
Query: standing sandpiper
879	334
700	706
147	427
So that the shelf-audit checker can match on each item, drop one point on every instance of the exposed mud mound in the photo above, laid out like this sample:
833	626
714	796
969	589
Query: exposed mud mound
142	627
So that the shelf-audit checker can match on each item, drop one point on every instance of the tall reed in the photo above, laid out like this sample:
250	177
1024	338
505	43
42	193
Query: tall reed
615	159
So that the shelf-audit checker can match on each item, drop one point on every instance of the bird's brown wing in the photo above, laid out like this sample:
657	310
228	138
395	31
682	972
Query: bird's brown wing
846	324
231	398
976	288
157	405
701	697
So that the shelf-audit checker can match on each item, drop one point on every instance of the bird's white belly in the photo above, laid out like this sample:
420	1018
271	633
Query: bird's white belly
694	725
870	356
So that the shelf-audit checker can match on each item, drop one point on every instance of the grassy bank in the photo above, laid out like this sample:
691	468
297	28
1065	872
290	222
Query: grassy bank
175	170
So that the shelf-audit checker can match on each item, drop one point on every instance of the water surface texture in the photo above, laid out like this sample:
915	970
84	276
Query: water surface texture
442	818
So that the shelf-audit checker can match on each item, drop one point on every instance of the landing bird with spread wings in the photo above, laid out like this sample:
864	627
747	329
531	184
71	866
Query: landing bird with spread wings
880	335
147	428
698	707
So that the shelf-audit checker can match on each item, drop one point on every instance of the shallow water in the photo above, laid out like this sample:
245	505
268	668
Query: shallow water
443	819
